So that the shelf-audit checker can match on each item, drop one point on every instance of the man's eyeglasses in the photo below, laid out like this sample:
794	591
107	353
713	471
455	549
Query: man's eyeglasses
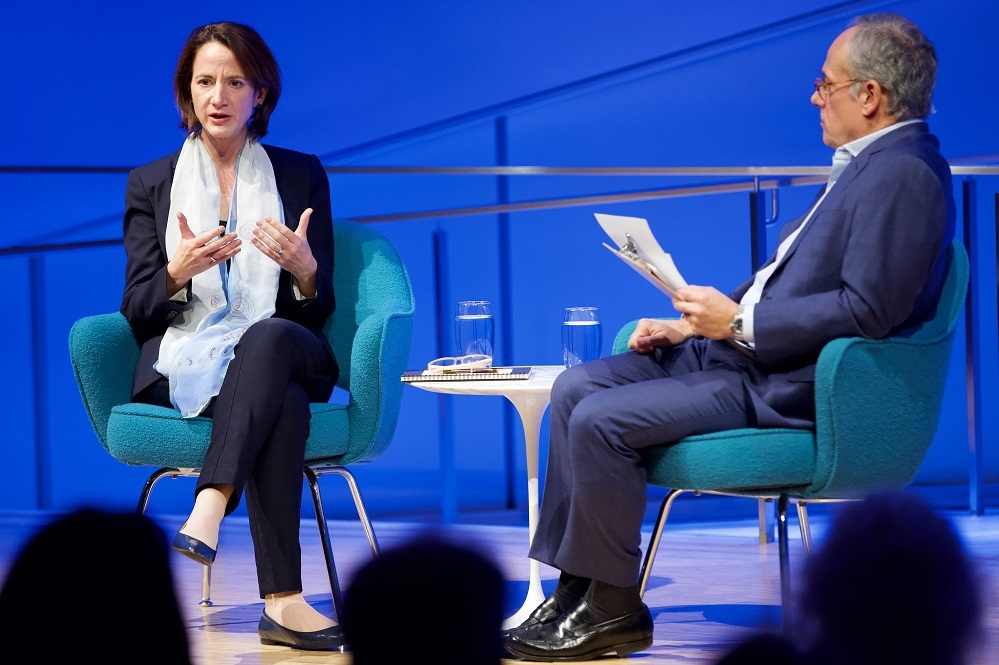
822	86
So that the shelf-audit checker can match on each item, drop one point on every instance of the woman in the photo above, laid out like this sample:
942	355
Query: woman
228	284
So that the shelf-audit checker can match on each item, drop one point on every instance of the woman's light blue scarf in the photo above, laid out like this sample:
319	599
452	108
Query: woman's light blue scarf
198	345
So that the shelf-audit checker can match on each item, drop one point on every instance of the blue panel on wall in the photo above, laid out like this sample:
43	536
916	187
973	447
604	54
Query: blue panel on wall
19	489
583	83
79	470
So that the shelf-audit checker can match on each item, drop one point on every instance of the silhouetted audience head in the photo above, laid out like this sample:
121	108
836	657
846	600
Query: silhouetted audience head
395	601
890	584
94	581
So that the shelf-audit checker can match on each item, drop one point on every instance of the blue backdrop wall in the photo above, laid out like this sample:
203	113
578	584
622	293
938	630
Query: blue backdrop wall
450	83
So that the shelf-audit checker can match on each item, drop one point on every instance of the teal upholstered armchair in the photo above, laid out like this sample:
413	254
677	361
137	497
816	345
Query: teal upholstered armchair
877	407
370	332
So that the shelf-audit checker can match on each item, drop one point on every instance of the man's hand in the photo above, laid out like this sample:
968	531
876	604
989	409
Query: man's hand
708	311
652	333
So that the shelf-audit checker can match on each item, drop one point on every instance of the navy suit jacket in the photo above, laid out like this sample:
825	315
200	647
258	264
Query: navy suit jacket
870	262
301	183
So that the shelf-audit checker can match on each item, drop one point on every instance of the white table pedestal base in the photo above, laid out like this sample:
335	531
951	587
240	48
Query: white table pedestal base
531	398
531	406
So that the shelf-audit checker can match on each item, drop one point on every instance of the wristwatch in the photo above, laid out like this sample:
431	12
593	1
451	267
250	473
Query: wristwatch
737	327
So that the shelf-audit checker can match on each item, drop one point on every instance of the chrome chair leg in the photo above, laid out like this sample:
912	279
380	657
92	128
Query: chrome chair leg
312	476
147	488
767	520
362	514
657	534
806	532
206	587
151	481
324	537
785	564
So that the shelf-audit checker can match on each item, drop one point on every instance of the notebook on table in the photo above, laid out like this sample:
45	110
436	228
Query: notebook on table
483	374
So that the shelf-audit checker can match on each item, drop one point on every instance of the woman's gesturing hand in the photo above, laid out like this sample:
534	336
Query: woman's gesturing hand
289	249
197	253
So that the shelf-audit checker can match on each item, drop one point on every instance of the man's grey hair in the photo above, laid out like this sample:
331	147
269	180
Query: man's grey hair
891	50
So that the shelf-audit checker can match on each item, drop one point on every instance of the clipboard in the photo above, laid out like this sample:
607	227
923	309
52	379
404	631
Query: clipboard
638	247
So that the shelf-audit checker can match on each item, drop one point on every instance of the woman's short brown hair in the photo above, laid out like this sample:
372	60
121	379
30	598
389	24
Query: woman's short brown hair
255	59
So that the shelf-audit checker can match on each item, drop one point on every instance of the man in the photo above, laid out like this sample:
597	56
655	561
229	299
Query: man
866	260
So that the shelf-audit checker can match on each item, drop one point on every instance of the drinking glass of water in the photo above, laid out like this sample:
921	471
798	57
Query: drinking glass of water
581	335
474	328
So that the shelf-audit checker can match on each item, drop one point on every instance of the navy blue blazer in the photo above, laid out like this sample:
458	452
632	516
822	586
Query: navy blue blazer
301	182
869	263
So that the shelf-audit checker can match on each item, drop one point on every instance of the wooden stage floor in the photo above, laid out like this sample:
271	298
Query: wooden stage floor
712	584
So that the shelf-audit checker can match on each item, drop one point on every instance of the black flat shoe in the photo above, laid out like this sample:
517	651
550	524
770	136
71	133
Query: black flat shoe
575	636
548	611
193	548
271	632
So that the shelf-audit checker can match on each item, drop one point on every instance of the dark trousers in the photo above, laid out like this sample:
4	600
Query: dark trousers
260	422
602	414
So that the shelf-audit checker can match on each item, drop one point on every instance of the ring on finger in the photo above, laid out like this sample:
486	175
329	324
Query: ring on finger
212	259
280	251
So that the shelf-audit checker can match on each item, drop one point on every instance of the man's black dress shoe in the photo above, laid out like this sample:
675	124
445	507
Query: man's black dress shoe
194	549
575	636
271	632
549	610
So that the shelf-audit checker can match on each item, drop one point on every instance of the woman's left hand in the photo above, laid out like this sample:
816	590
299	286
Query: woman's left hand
289	249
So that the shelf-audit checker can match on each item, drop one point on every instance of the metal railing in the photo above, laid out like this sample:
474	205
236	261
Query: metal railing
761	183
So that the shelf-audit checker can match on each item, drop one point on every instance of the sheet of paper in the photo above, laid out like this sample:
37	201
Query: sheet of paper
619	228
